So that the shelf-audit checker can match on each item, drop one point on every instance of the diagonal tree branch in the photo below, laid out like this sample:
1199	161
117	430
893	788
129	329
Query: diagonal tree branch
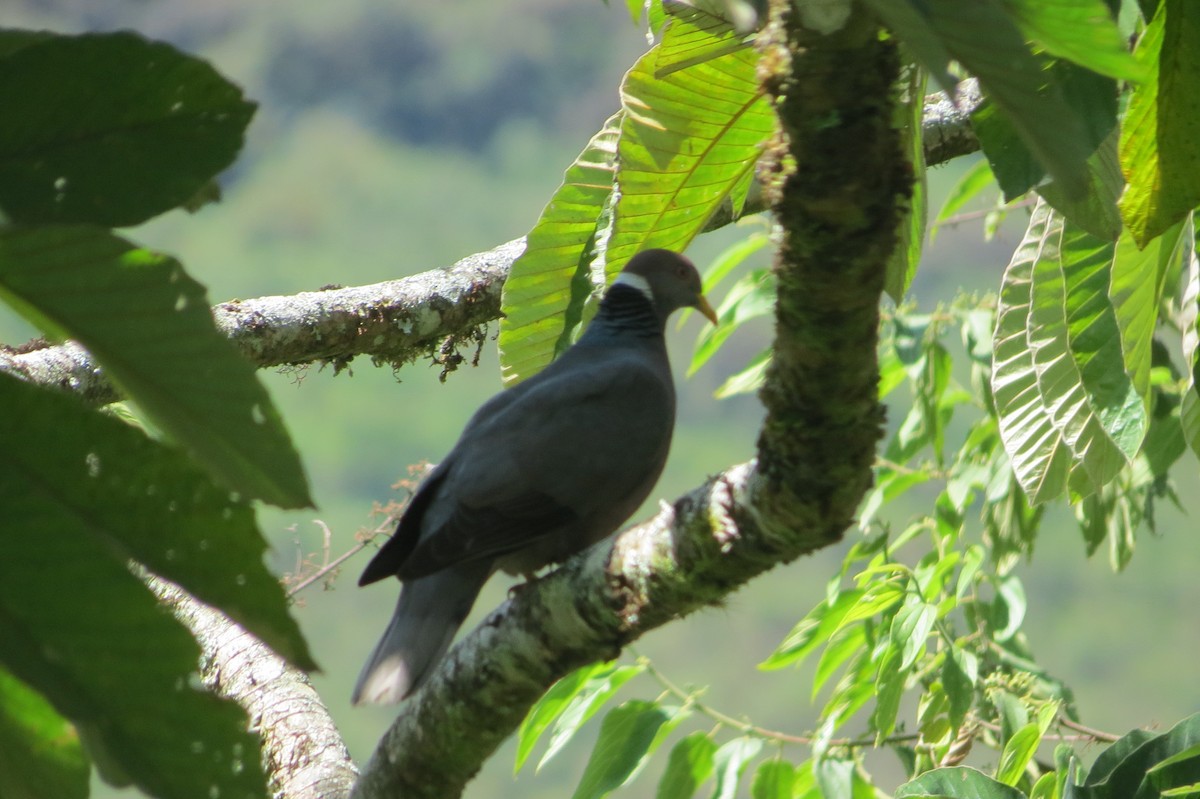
399	321
815	451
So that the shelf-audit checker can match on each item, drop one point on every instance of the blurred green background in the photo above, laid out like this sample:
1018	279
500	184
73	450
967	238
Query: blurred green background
392	138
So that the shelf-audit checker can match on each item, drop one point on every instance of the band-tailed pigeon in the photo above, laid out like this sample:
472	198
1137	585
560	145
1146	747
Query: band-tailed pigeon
541	472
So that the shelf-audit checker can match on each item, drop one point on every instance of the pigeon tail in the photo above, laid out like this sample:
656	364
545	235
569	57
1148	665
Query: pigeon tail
429	613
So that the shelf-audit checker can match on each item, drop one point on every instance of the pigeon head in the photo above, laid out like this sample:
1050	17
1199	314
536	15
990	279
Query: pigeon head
668	280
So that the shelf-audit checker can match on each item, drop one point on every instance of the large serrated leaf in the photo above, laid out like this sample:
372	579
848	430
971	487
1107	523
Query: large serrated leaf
148	324
111	129
81	629
552	274
1082	31
687	140
1040	458
984	38
1160	152
1076	352
139	500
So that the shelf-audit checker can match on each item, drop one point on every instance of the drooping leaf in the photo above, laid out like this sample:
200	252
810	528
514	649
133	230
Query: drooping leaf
552	705
813	630
753	296
1137	283
959	782
1160	153
1017	752
1039	455
592	695
137	499
906	255
552	274
1081	31
687	139
148	324
960	670
1131	770
40	753
1096	212
1075	343
774	779
730	761
688	766
749	379
889	687
77	626
626	736
111	129
910	627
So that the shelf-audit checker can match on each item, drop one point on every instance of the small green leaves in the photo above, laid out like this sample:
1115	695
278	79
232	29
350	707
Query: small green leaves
690	764
136	128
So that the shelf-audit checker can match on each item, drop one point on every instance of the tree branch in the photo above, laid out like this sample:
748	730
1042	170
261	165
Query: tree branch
303	753
398	321
839	214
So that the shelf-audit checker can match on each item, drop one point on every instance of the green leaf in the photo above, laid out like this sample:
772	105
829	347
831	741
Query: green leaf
1082	31
1189	411
730	761
774	779
138	500
625	739
751	297
910	627
1130	772
1075	342
749	379
688	766
983	37
703	37
1017	752
974	181
552	705
960	671
817	627
552	274
592	695
957	783
688	139
148	324
1137	282
844	645
1039	455
77	626
889	687
40	754
910	22
1010	607
1096	212
906	255
111	129
1160	153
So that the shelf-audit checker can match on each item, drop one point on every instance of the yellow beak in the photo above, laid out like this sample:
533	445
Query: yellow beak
703	307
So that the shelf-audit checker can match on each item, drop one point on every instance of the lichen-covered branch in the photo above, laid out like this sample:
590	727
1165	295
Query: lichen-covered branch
303	753
839	213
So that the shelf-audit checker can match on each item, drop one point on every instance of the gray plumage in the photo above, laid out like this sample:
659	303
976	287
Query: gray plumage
540	472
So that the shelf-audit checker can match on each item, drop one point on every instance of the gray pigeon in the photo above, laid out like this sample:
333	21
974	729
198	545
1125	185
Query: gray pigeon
541	472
